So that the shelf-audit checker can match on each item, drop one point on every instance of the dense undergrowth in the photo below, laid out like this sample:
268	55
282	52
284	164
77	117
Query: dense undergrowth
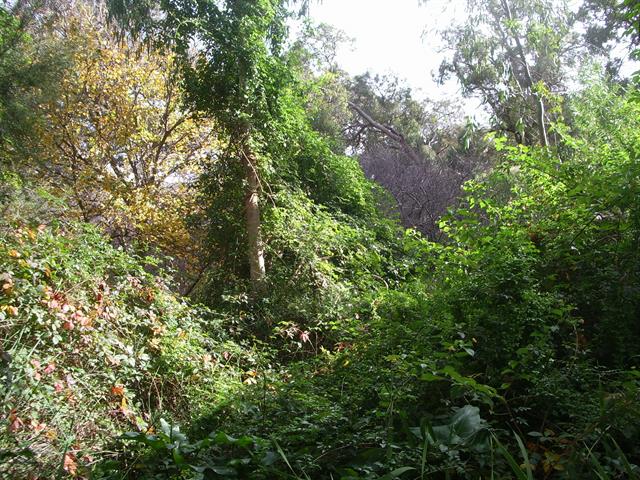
319	339
508	351
92	345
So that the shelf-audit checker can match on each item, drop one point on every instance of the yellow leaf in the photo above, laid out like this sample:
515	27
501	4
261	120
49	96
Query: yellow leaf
11	310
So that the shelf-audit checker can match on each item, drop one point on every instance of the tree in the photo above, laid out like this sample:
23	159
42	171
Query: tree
515	54
632	14
29	69
606	24
325	86
631	19
234	71
118	140
421	152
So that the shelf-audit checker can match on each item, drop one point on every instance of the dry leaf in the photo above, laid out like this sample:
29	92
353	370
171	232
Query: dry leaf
15	422
69	464
118	390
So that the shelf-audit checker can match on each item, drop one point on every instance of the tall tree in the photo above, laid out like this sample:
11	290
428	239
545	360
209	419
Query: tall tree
421	152
30	67
233	70
606	22
630	11
514	54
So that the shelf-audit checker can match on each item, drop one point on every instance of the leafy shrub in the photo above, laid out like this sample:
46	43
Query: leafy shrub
92	345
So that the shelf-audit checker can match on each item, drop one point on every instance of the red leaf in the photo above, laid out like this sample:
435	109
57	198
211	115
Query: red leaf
69	464
117	390
304	337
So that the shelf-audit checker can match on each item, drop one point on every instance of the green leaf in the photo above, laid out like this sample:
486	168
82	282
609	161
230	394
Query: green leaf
396	473
222	470
515	467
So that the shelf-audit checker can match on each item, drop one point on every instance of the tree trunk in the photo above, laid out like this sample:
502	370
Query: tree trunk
255	247
542	127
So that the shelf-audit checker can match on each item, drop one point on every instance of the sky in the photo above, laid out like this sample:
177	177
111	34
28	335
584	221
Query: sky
401	37
396	37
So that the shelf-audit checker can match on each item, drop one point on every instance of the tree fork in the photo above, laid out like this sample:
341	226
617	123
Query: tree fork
387	130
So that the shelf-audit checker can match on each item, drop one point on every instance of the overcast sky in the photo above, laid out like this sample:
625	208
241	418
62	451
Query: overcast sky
396	37
401	37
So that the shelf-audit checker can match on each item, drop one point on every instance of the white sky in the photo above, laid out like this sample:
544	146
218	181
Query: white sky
400	37
396	37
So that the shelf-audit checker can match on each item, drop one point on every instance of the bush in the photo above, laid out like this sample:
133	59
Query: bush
93	345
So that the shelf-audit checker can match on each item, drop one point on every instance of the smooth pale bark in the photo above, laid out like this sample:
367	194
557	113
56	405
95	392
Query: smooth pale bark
542	128
255	247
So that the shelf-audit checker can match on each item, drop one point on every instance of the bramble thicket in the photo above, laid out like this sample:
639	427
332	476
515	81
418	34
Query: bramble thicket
223	256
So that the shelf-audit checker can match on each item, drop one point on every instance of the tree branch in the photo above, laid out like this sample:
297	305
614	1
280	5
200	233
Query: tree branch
388	131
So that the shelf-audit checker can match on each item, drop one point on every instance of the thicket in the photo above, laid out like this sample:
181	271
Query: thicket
319	338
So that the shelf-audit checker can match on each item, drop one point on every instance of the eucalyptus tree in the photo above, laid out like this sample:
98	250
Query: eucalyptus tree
514	55
234	71
630	10
421	152
609	23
